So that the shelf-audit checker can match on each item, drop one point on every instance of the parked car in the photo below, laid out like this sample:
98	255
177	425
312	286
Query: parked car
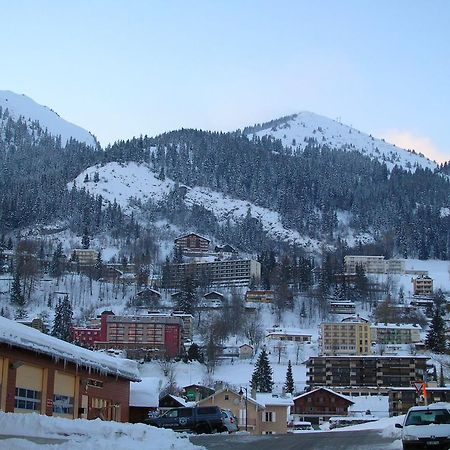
230	421
297	426
426	427
201	419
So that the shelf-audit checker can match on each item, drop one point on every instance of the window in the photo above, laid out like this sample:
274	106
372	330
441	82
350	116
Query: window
269	416
28	399
62	404
227	397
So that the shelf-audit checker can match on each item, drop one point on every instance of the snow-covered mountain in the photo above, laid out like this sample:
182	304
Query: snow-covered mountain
298	130
23	106
122	182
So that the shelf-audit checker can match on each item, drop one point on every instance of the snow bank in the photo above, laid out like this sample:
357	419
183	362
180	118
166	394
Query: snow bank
386	426
88	434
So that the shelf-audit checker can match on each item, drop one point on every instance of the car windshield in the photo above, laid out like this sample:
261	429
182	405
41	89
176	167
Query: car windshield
428	417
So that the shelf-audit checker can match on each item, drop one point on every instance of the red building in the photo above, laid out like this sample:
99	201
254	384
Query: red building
150	335
320	404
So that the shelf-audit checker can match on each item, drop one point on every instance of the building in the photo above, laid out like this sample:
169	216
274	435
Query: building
395	266
197	392
84	256
265	414
232	272
364	373
259	296
42	374
288	334
343	307
401	399
395	333
246	351
225	251
422	285
370	264
144	398
319	405
192	244
144	336
348	337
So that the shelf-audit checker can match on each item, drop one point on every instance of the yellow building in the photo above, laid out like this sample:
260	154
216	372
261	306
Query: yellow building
349	337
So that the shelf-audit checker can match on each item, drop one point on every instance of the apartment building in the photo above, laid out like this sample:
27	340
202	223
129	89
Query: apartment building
192	244
423	285
143	335
370	264
371	373
85	256
232	272
348	337
403	398
342	307
395	333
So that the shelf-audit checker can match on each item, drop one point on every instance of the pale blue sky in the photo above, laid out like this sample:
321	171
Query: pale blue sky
124	68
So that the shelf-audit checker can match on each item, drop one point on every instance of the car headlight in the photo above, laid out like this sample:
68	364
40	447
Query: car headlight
410	437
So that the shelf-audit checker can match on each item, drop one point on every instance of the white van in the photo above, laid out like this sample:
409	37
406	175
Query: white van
426	427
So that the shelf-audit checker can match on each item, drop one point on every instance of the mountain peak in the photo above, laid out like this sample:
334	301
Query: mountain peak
296	131
23	106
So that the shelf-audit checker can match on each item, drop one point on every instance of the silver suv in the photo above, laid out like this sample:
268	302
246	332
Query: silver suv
230	421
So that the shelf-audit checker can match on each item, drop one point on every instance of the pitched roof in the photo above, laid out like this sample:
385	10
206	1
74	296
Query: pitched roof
323	389
192	234
220	391
21	336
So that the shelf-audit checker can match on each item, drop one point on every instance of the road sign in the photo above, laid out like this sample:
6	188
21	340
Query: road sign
418	386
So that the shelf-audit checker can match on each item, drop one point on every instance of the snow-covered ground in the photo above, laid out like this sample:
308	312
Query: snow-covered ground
23	106
123	182
297	129
87	434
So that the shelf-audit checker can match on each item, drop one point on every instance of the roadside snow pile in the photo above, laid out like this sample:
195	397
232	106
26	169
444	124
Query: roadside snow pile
386	426
88	434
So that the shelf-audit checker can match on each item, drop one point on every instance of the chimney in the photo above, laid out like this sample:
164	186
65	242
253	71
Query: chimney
253	393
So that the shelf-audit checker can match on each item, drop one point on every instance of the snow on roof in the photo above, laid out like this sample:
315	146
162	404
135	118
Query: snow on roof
22	336
287	332
192	234
406	326
274	399
323	389
220	391
145	392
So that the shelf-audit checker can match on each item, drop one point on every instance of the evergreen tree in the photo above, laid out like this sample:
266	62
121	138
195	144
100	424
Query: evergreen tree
99	266
262	379
188	299
17	297
85	240
62	323
435	339
289	383
55	265
194	353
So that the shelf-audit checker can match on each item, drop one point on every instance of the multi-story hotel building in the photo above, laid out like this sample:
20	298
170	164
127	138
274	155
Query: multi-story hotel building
349	337
370	264
395	333
345	373
221	273
423	285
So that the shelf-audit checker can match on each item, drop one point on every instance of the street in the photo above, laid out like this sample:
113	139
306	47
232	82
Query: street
342	440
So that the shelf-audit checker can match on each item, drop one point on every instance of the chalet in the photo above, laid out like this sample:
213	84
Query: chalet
42	374
170	401
197	392
265	414
149	295
144	398
246	351
214	296
225	251
192	244
320	405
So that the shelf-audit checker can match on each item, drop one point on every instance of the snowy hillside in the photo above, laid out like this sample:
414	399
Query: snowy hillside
120	182
21	105
295	132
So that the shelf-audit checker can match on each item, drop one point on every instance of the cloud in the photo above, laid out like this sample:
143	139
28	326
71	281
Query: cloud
421	144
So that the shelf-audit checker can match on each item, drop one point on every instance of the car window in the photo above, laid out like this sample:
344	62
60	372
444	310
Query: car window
207	410
172	413
185	412
428	417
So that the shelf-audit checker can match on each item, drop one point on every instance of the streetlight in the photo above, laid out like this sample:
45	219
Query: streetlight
241	393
